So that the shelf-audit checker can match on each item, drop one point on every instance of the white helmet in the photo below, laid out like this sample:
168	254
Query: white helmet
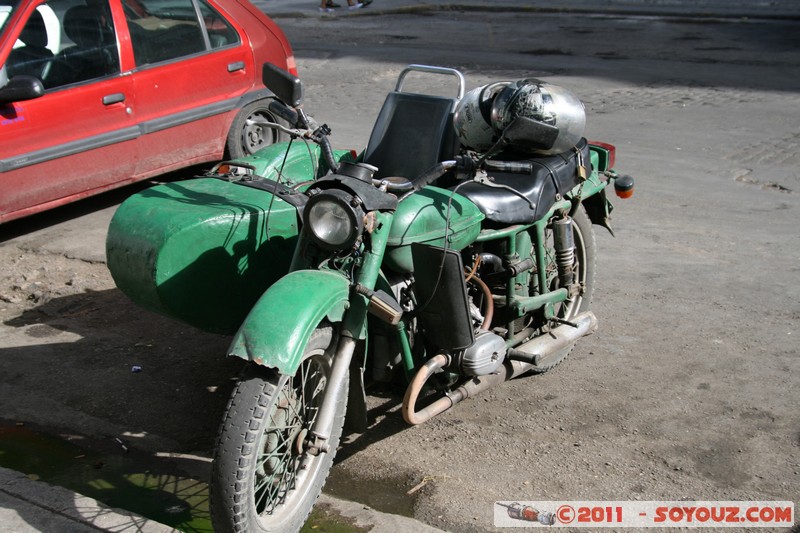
472	118
543	102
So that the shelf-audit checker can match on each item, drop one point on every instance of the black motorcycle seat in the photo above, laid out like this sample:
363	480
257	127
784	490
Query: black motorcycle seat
551	175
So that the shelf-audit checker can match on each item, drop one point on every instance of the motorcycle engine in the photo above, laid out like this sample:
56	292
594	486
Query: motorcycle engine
484	356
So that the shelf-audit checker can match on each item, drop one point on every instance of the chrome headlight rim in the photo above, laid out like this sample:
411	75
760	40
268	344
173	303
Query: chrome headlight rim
342	213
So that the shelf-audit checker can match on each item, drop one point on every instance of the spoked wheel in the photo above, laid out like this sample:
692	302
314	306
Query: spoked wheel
263	478
585	259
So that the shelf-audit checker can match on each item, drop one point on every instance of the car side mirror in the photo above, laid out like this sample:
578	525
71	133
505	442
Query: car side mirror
21	88
288	88
524	132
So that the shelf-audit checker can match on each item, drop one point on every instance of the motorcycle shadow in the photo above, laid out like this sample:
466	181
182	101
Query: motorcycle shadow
383	420
96	363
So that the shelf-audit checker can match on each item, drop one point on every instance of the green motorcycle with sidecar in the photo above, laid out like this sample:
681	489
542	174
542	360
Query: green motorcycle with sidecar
454	253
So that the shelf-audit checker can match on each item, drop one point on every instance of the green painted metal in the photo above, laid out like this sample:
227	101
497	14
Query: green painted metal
526	304
300	163
422	217
504	233
278	327
368	275
539	252
203	250
599	157
405	347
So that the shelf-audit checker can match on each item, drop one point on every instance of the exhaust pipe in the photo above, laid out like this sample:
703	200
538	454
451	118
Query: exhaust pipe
524	358
537	350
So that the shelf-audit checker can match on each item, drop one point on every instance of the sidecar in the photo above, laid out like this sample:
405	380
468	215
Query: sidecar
204	250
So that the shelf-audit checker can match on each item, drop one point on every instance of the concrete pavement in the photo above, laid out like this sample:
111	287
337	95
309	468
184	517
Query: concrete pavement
28	506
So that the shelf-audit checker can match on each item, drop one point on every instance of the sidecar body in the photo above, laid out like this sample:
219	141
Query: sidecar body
204	250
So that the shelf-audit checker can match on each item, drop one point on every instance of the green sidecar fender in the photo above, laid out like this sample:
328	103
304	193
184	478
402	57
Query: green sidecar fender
277	328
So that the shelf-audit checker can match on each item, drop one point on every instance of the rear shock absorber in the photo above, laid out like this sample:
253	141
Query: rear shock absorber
564	242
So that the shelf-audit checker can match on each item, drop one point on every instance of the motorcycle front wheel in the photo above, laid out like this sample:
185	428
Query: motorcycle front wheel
263	478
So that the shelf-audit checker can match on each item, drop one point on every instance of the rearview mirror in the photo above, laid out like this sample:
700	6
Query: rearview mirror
524	132
288	88
21	88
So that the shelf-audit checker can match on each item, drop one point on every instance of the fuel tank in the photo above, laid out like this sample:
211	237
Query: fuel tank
423	218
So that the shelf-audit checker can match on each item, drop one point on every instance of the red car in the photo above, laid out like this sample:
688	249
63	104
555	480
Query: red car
96	94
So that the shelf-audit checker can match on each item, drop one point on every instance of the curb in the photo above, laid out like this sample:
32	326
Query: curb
28	506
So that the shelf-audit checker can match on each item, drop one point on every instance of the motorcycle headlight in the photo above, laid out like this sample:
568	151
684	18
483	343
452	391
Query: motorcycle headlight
333	219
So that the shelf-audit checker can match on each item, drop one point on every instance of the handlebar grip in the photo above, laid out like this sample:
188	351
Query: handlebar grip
327	153
432	174
284	111
512	167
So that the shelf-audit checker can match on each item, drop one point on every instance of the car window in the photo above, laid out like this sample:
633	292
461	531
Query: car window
220	32
6	7
5	12
65	42
162	30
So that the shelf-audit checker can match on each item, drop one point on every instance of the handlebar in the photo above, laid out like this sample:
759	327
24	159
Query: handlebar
285	112
432	174
319	135
511	167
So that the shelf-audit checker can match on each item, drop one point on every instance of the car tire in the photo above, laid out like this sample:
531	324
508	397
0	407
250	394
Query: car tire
246	138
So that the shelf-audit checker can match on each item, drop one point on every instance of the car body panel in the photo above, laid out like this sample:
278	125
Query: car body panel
86	137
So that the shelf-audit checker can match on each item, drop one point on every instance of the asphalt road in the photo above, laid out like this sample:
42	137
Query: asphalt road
688	391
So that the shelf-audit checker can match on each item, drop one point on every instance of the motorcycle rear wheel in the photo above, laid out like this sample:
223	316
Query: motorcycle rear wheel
263	479
585	263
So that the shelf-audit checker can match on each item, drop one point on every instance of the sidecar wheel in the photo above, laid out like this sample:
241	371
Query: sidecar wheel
585	257
263	480
246	138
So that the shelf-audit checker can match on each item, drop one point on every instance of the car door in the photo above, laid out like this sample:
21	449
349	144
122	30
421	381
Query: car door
192	67
79	137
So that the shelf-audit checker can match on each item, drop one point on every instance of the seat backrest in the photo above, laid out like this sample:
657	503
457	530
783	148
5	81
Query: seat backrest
34	58
413	132
84	26
94	54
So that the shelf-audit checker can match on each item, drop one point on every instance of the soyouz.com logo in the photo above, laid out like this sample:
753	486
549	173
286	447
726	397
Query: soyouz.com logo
635	514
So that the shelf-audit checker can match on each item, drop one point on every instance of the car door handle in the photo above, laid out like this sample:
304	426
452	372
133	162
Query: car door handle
115	98
233	67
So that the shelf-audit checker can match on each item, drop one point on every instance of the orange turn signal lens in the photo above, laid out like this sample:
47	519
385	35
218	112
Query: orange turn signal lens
623	186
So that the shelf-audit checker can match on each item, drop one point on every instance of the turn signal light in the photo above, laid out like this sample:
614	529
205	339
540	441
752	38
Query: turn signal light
607	154
623	186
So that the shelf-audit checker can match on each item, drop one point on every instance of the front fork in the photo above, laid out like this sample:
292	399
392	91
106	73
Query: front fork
354	328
